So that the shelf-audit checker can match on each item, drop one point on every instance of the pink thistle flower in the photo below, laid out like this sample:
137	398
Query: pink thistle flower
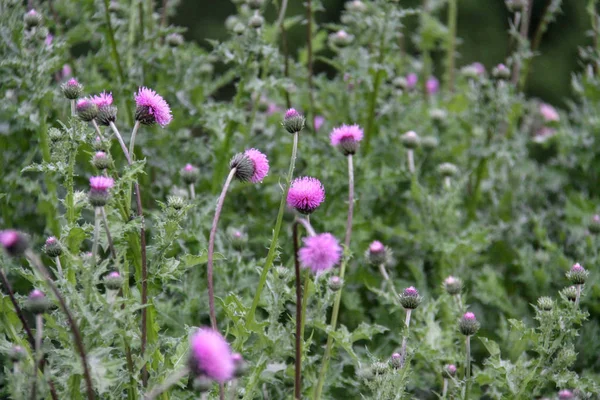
543	134
432	85
411	80
320	253
51	241
36	294
376	247
469	316
306	194
101	183
8	237
114	274
346	132
188	168
577	268
151	108
411	291
451	368
291	113
103	99
318	122
13	242
565	394
211	355
49	39
549	113
478	67
261	165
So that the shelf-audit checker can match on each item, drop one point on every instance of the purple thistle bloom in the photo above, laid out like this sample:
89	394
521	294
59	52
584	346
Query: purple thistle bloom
565	394
346	133
577	268
49	39
320	253
14	243
211	355
66	71
306	194
411	80
432	85
272	108
36	294
411	292
9	238
376	247
101	183
261	165
318	122
151	108
188	167
114	274
291	113
103	99
469	316
451	369
51	241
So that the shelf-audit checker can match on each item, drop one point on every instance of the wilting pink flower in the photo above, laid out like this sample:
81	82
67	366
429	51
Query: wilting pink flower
306	194
320	252
211	355
432	85
103	99
411	80
549	113
318	122
151	107
101	183
261	165
346	133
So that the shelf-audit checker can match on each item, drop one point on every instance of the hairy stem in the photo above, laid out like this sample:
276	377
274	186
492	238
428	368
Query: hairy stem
192	191
468	367
211	248
299	338
523	31
348	235
37	263
273	245
108	236
445	388
386	276
39	331
410	156
97	216
170	381
58	266
73	109
578	295
405	336
452	17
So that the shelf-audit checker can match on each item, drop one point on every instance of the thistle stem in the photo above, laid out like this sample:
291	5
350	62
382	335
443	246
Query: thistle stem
97	216
170	381
385	275
410	156
15	304
299	337
192	191
211	248
58	266
405	336
37	263
578	295
73	112
338	297
136	126
108	236
121	142
39	328
306	223
273	245
447	182
468	367
445	388
98	131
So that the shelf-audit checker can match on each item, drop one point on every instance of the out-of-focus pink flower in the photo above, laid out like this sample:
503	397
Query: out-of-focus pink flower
411	80
432	85
211	355
272	108
320	253
318	122
49	39
549	113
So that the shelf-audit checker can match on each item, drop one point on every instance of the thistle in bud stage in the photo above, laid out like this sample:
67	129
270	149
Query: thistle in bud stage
501	71
447	170
86	110
320	253
594	226
335	283
190	174
410	298
411	80
318	122
255	4
72	89
377	253
380	368
516	5
151	108
174	39
432	86
468	324
346	138
577	275
107	113
293	121
545	303
210	356
238	237
396	360
341	38
176	202
37	302
450	370
410	140
256	21
17	354
52	247
101	160
453	285
565	394
99	190
32	19
252	165
14	243
570	293
113	281
306	194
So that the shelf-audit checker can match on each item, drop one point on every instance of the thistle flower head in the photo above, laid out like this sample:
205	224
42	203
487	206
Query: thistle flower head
410	298
396	360
318	122
577	275
72	89
447	169
151	108
189	174
346	138
103	99
14	243
113	281
545	303
335	283
468	324
320	253
86	109
256	21
241	366
570	293
293	121
565	394
411	80
549	113
101	160
452	285
16	354
99	190
52	247
32	18
174	39
450	370
356	6
210	355
306	194
501	71
37	302
260	163
432	86
107	113
377	253
594	225
341	38
410	139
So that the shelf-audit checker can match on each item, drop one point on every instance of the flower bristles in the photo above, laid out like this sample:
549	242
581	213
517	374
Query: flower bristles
151	108
252	165
320	253
346	138
410	298
306	194
210	356
86	109
293	121
107	113
468	324
99	187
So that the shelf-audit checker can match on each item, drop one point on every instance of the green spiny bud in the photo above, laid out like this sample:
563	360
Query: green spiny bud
452	285
16	354
176	202
545	303
570	293
380	368
410	140
106	115
37	302
293	121
429	142
577	275
410	298
256	21
32	19
113	281
594	225
447	169
52	247
174	39
72	89
468	324
101	160
335	283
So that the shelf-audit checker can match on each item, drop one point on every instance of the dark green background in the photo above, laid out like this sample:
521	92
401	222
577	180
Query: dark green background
482	27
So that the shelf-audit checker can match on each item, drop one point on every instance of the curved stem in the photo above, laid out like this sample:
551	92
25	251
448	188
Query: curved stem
132	140
121	142
452	17
299	337
170	381
36	262
18	310
468	367
273	245
405	336
98	131
211	248
108	236
385	275
306	223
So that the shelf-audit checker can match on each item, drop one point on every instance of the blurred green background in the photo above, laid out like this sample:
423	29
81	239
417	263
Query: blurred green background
482	26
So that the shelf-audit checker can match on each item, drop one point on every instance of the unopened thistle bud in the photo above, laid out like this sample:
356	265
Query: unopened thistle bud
501	71
16	354
86	109
255	4
447	169
113	281
438	115
449	371
101	160
468	324
283	272
429	142
14	243
99	190
545	303
453	285
293	121
32	19
577	275
380	368
72	89
341	38
37	302
565	394
256	21
176	202
55	135
570	293
396	360
346	138
594	225
98	144
377	253
356	6
189	174
410	298
52	247
174	39
410	139
335	283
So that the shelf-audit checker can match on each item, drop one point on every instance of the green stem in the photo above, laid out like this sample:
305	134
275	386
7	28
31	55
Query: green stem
273	245
70	189
452	17
468	367
132	139
405	336
299	318
97	217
